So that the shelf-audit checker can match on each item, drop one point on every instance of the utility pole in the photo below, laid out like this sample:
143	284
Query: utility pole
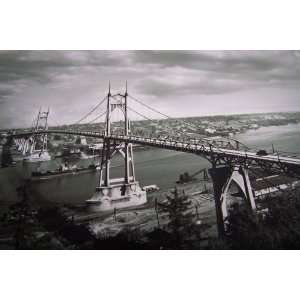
156	212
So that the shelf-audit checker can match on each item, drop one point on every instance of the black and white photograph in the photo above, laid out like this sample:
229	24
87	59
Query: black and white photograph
177	150
149	149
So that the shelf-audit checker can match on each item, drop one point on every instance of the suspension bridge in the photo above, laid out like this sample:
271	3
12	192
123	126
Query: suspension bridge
230	159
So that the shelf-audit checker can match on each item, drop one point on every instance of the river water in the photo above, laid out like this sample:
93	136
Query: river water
153	166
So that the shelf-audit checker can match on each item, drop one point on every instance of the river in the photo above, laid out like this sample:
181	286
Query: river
153	166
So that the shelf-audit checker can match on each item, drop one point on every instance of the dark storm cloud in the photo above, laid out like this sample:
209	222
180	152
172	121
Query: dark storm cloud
40	65
5	91
221	61
71	81
21	70
228	70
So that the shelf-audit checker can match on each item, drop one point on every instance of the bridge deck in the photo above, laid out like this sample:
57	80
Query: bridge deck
203	149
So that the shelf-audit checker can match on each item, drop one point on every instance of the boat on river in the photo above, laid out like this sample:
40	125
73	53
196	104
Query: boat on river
63	171
150	188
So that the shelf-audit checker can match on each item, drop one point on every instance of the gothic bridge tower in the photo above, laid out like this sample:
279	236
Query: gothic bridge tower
117	192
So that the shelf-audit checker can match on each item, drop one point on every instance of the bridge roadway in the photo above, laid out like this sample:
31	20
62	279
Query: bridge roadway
204	149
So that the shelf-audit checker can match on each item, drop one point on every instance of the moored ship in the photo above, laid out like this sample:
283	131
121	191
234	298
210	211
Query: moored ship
63	171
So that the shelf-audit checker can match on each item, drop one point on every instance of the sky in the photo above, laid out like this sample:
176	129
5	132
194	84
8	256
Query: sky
177	83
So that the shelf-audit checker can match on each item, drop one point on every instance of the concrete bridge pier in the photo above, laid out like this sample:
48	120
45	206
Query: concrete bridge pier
223	178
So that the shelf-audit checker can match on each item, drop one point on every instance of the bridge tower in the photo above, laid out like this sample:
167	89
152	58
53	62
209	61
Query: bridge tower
117	192
36	146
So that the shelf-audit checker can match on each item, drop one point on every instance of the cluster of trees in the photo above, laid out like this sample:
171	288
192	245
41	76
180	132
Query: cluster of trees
6	159
278	228
50	228
41	228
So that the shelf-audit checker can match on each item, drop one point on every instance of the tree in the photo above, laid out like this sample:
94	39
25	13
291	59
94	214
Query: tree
177	207
20	218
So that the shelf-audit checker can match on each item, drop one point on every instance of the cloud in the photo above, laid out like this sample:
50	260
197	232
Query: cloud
70	82
219	71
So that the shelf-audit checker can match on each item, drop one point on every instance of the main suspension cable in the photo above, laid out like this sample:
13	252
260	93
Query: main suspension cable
91	111
98	117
